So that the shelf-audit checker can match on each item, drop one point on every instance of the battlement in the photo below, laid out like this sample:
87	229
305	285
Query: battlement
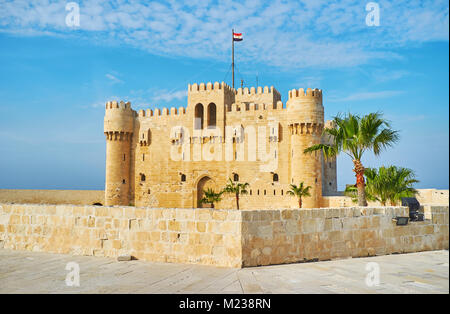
209	87
115	105
162	112
257	95
310	93
254	91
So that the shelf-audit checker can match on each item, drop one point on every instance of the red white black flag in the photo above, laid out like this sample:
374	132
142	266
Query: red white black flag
237	36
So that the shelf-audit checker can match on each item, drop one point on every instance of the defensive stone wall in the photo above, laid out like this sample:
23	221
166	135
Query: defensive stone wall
228	238
433	196
77	197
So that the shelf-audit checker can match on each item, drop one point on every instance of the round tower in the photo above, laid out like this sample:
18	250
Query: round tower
118	128
305	125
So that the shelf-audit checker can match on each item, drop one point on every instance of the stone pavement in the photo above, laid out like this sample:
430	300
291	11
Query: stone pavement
33	272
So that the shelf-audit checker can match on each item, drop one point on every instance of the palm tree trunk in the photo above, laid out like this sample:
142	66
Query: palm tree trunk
237	200
360	184
299	202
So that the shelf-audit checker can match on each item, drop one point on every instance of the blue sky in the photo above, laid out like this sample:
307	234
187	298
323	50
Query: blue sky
55	79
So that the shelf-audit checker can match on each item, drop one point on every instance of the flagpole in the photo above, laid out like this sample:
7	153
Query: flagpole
232	54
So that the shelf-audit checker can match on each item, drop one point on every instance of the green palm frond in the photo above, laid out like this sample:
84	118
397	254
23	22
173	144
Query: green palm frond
236	187
389	184
354	134
210	196
300	191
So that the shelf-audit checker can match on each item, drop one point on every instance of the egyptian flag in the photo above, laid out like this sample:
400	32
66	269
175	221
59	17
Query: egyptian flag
237	36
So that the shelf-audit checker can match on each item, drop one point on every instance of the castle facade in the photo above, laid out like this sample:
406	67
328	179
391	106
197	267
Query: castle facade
167	158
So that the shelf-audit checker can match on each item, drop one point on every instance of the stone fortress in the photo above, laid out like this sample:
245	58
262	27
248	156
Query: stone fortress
159	162
166	158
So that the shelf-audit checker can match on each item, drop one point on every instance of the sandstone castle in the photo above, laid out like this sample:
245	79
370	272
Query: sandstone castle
167	158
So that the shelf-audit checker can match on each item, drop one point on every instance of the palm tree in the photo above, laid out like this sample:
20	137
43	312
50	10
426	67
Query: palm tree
354	135
391	184
387	184
211	197
300	191
236	189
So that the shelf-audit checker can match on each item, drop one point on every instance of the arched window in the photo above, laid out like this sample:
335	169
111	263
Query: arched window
183	178
212	116
235	177
198	119
275	177
142	177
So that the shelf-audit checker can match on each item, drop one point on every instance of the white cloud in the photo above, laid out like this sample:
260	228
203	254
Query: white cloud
113	78
282	33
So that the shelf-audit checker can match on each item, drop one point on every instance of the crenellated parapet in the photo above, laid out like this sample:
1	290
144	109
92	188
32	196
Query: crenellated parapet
305	106
257	95
149	113
310	93
118	121
118	105
216	86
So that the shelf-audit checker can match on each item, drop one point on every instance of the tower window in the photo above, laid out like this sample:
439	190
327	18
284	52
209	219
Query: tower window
143	157
142	177
183	178
124	157
274	192
211	115
198	122
275	177
123	181
235	177
265	192
250	192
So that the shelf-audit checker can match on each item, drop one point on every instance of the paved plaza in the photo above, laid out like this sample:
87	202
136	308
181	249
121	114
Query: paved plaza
33	272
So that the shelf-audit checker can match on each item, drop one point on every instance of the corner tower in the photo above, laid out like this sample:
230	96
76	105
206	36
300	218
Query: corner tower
305	122
118	128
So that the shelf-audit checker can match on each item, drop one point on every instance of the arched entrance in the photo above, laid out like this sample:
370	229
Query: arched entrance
203	184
